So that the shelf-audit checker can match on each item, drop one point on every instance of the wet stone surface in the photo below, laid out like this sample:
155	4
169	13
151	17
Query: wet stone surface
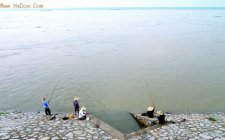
33	126
196	126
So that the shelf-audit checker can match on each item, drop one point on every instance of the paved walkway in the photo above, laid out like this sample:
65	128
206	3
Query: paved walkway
35	126
196	127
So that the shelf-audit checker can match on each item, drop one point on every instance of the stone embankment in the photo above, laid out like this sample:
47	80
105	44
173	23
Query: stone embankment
195	127
36	126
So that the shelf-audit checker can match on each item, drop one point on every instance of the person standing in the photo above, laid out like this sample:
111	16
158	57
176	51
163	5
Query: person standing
76	106
46	106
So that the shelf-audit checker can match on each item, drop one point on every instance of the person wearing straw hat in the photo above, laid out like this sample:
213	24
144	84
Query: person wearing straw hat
82	114
150	112
160	117
46	106
76	106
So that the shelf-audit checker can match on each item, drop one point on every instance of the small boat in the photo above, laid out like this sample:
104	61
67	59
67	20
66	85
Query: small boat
143	121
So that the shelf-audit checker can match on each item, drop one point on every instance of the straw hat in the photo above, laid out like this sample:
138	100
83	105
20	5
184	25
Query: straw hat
83	108
150	108
76	98
159	113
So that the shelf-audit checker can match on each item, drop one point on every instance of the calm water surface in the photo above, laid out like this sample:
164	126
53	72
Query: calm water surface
115	61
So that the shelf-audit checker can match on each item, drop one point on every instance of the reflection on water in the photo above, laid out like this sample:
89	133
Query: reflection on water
115	61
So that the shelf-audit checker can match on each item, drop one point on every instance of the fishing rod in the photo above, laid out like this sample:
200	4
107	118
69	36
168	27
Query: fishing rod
52	93
93	112
152	101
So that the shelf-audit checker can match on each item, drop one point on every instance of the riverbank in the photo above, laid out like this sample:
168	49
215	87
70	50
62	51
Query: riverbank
196	126
35	125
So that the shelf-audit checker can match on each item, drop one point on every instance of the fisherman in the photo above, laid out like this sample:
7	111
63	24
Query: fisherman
150	112
76	106
82	114
161	117
46	106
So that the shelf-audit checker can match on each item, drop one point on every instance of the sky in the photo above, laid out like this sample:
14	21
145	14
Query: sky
123	3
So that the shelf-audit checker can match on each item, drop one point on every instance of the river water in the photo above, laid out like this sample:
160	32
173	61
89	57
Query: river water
116	61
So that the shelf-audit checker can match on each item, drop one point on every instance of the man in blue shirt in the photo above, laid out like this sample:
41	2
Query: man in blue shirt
46	107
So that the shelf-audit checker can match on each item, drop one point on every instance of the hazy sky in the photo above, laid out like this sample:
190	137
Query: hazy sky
131	3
